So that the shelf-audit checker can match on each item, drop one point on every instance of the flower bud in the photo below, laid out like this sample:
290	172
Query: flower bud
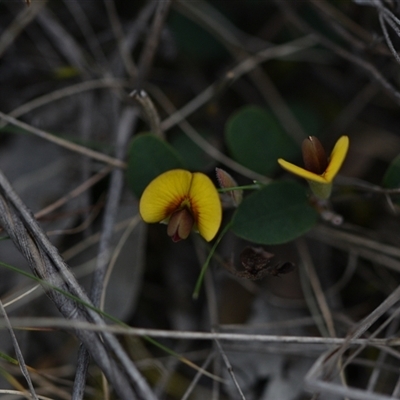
180	224
314	155
226	181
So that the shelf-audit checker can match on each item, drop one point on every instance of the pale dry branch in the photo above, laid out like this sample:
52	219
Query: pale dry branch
64	143
327	342
46	263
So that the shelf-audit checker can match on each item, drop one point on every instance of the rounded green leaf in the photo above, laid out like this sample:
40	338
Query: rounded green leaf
256	140
391	178
276	214
149	156
193	40
195	158
308	117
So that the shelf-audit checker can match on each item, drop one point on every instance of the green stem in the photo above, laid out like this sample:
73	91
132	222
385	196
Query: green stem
246	187
205	265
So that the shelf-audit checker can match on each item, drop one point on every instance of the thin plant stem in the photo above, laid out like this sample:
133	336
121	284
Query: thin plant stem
245	187
207	262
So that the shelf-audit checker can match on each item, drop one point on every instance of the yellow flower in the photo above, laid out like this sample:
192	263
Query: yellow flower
319	171
184	201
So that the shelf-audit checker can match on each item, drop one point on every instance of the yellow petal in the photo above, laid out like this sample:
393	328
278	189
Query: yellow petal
338	155
303	173
205	205
164	195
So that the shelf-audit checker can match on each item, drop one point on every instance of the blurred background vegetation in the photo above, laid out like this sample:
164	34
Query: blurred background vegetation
68	67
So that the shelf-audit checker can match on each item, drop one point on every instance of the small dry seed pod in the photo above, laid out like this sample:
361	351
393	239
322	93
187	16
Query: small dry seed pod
257	264
281	268
255	258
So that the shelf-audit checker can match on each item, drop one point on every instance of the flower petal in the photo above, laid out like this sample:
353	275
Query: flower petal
338	155
303	173
164	195
180	224
205	205
314	157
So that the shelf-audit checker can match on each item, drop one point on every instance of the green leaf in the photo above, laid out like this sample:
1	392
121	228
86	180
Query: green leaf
308	118
391	178
6	357
276	214
195	158
256	140
193	40
149	156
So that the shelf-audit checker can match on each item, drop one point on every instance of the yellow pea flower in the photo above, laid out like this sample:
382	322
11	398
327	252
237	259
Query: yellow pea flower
185	201
319	171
